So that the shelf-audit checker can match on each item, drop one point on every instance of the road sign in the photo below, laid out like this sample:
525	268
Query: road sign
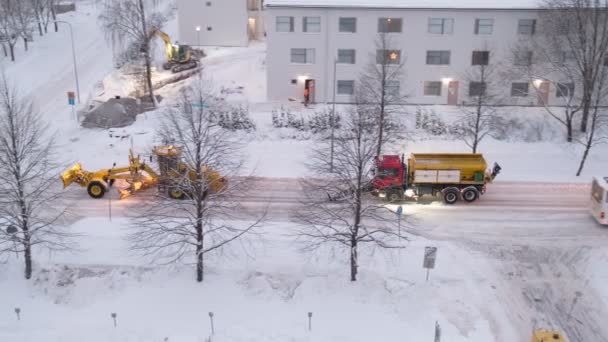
71	98
400	211
430	254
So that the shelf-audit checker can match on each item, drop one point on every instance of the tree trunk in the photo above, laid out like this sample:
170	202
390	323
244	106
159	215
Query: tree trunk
583	160
353	260
11	47
54	16
4	50
380	132
142	13
586	110
569	129
199	252
149	78
28	256
25	43
40	28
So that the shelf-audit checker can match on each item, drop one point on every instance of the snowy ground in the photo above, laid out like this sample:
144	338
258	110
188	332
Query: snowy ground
527	255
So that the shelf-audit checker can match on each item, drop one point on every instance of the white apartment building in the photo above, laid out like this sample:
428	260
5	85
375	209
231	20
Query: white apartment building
438	41
219	22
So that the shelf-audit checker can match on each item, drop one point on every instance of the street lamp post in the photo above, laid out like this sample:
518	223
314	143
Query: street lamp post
73	56
332	120
198	36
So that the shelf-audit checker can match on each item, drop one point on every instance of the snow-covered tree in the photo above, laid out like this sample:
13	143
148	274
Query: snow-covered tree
380	85
130	24
200	221
30	211
10	29
480	114
348	219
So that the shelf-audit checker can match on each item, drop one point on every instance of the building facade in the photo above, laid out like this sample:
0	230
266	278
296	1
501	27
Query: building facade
438	44
219	22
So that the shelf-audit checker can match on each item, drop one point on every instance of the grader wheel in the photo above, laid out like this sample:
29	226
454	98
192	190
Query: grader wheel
96	189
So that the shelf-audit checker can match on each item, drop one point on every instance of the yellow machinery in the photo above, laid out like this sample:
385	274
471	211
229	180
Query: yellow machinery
179	57
547	336
139	175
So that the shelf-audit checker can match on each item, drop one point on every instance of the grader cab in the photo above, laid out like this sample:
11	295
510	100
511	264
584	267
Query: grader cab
173	176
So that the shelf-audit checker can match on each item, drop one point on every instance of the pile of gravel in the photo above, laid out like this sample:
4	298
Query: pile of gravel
116	112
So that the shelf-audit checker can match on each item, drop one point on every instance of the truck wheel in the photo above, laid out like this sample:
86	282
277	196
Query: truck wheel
96	189
470	195
450	196
393	196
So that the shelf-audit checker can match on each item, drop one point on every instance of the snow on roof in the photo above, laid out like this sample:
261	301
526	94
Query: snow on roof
438	4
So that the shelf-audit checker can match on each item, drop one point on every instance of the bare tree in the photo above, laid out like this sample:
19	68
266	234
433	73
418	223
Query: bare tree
349	219
38	9
10	30
170	229
28	196
571	44
24	19
130	23
480	114
597	132
380	90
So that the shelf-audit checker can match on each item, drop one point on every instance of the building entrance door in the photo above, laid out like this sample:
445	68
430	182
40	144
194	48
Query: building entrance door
453	93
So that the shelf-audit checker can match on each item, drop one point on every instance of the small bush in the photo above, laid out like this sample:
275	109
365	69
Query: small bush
317	123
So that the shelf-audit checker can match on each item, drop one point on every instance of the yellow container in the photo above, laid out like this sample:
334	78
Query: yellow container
447	168
547	336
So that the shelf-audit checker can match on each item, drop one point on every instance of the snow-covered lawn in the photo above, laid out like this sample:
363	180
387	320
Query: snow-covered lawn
262	295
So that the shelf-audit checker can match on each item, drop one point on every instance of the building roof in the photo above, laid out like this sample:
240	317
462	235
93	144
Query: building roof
411	4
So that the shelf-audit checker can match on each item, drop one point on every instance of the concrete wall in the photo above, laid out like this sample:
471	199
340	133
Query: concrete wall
223	23
413	41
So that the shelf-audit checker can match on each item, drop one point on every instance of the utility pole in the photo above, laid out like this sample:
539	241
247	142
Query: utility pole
198	37
73	56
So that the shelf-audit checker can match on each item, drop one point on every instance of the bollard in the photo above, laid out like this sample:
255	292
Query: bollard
211	320
310	321
18	312
114	318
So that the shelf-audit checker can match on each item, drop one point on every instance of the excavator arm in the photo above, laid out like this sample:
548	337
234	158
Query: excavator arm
167	40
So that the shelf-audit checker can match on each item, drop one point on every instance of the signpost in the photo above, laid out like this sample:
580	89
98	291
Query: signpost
430	254
399	213
200	105
72	101
437	332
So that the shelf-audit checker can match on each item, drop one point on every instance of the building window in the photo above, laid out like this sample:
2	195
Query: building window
392	88
346	87
523	58
520	89
209	28
606	61
477	88
432	88
565	90
311	24
441	25
388	25
346	56
303	56
388	56
484	26
284	24
348	25
438	57
208	3
526	26
481	58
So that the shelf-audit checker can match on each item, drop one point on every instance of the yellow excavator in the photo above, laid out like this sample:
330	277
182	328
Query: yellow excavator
139	175
179	57
547	336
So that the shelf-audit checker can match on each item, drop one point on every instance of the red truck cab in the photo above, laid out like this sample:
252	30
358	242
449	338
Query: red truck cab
390	172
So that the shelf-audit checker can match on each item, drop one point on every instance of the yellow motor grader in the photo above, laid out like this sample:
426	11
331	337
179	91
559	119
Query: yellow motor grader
139	175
